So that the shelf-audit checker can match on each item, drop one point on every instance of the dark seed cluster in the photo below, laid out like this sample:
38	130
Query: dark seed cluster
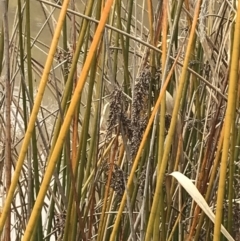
168	118
140	109
142	177
127	127
60	220
63	56
115	109
117	114
132	128
117	179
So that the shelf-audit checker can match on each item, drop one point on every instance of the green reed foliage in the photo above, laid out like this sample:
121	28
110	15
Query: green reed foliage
91	156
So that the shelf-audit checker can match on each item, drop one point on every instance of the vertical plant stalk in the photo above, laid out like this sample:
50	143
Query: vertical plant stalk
107	190
93	150
33	116
229	121
65	127
146	186
151	21
33	182
232	172
30	184
211	181
202	181
162	119
1	48
161	174
124	47
150	18
7	82
128	29
75	118
73	160
81	163
67	90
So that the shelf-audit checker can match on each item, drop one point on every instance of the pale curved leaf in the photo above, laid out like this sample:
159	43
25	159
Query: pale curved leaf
198	198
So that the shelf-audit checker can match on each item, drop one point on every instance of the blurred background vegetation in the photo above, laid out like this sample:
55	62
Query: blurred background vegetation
93	122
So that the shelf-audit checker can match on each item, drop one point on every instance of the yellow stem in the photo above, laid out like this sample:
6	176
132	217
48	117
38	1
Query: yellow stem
33	116
229	120
65	127
161	174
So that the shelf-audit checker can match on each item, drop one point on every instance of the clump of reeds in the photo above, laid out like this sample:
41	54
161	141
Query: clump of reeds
173	121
